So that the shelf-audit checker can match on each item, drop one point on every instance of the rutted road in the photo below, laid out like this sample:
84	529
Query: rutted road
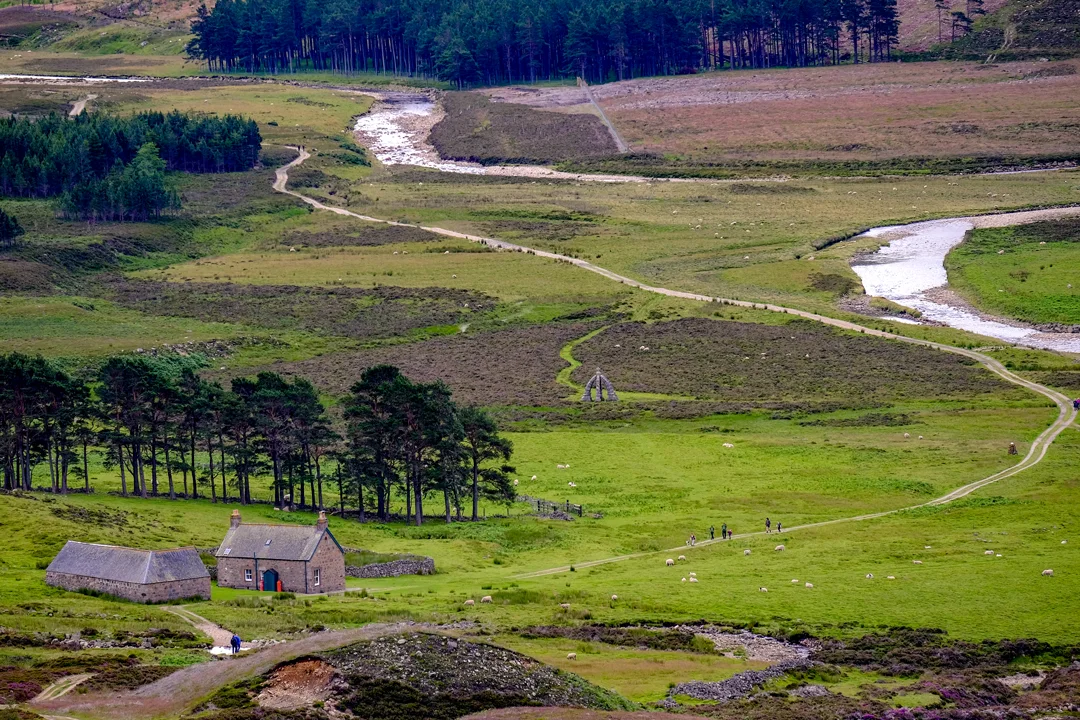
1037	451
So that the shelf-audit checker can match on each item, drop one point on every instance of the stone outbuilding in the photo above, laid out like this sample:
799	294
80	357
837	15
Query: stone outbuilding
282	558
145	576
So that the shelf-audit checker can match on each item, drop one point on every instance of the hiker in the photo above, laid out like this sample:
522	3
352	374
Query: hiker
235	643
768	526
1076	404
693	539
779	527
712	532
723	531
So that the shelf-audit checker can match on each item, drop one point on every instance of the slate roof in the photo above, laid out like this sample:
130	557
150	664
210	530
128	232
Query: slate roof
286	542
124	564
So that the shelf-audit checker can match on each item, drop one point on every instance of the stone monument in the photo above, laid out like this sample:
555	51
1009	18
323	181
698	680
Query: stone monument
605	391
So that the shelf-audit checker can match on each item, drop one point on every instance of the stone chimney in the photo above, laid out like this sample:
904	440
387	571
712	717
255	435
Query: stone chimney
321	523
234	521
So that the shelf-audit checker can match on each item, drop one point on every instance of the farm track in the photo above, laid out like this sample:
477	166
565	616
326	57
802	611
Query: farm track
179	691
1035	454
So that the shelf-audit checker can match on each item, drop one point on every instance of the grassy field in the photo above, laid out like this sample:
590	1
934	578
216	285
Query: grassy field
1024	272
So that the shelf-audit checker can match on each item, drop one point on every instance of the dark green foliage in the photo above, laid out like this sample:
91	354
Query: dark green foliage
114	167
867	420
833	283
478	130
10	230
373	699
627	637
462	42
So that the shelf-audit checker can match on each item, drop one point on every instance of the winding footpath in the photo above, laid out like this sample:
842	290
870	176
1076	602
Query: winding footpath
1036	453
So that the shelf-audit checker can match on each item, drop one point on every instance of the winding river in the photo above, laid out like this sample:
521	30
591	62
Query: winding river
910	270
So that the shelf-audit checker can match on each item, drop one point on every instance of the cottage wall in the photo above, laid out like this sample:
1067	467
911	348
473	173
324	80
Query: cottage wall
331	563
136	592
291	573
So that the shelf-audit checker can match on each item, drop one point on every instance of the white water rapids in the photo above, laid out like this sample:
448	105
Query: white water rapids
913	264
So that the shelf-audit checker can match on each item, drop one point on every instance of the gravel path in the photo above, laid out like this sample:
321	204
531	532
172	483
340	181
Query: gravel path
1037	451
79	105
181	690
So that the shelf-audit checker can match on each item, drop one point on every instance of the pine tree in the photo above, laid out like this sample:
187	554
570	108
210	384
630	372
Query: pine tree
10	230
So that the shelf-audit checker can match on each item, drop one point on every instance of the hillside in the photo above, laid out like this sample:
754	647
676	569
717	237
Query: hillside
1023	30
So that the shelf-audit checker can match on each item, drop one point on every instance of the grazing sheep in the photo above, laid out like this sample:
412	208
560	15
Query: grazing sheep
515	482
998	555
485	599
614	598
761	589
795	581
988	552
533	477
917	562
869	576
683	580
809	585
571	656
920	437
891	577
670	562
926	547
1048	573
1064	542
746	552
693	579
907	435
693	574
292	249
728	445
564	606
562	467
571	484
779	548
470	603
681	558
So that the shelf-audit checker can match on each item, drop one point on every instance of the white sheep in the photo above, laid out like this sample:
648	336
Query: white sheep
571	656
746	552
920	437
1048	573
693	574
998	555
762	589
564	606
728	445
795	581
917	562
470	602
926	547
681	558
907	435
891	577
571	484
533	477
988	552
562	467
614	598
670	562
779	548
809	585
869	576
1063	542
485	599
515	482
453	276
693	579
683	580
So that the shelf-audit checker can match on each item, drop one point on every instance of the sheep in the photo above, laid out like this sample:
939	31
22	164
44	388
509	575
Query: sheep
728	445
693	574
670	562
515	482
1048	573
810	585
571	656
926	547
470	602
693	579
988	552
683	580
453	276
869	576
998	555
561	467
779	548
795	581
746	552
292	249
920	437
614	598
1063	542
917	562
891	577
564	606
571	484
681	558
533	477
762	589
485	599
907	435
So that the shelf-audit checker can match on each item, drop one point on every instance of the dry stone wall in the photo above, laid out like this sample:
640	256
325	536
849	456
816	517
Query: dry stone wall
394	568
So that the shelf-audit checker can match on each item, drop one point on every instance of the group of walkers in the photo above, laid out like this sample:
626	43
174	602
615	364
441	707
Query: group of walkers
727	533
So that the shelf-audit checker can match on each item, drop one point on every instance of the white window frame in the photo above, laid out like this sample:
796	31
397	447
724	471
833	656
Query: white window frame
247	575
318	576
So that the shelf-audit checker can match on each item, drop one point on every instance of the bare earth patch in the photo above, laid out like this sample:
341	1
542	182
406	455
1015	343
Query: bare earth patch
297	685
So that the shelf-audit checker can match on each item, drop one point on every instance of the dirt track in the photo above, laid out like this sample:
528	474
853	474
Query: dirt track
1035	454
179	691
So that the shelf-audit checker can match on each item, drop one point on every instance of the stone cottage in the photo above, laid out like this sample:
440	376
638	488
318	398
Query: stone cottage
139	575
282	558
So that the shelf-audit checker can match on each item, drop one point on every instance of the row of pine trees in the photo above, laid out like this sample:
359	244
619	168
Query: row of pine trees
113	168
508	41
167	432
